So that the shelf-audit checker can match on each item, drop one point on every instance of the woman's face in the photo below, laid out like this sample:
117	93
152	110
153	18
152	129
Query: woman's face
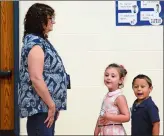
49	27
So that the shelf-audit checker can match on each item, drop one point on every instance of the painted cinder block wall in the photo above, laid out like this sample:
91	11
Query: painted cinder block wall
87	39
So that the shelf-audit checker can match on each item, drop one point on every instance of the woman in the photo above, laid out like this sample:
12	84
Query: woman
43	79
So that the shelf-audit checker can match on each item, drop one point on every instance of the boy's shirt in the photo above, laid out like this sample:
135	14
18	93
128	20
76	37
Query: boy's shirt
143	116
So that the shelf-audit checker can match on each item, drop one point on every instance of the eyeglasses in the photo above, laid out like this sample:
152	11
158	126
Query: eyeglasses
52	19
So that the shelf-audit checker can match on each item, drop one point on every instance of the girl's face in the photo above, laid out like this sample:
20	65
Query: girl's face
141	89
50	23
112	79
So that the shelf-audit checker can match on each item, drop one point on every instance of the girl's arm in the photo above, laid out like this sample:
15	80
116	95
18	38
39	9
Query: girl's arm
155	131
97	129
124	115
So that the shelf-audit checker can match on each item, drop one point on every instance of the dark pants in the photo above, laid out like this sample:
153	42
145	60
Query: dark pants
37	127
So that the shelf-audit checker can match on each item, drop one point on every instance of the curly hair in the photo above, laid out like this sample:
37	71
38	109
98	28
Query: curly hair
35	18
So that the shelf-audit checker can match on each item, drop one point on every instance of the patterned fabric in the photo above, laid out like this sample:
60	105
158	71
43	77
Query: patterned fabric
54	75
108	105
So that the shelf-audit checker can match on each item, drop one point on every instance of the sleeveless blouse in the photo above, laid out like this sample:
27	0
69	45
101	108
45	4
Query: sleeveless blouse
54	75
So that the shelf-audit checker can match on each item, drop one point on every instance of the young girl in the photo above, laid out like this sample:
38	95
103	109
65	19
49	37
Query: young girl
114	110
145	116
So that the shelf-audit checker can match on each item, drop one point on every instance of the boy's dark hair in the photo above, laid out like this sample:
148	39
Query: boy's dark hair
142	76
121	70
35	18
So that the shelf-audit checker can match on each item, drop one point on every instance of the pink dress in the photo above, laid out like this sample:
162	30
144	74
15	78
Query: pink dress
108	105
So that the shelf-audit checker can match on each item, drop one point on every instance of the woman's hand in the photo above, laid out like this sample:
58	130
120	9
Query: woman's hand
51	115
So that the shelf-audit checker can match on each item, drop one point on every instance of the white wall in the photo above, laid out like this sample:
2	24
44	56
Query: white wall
87	39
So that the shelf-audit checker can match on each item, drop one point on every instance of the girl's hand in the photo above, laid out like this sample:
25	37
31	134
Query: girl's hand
97	131
103	120
107	116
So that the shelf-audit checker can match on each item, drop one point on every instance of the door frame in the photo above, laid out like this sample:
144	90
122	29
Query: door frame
16	130
16	66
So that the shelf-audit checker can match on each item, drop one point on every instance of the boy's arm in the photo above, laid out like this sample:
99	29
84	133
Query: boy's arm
156	126
154	116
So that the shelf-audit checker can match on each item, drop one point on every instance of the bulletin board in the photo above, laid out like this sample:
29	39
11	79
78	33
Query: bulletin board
139	13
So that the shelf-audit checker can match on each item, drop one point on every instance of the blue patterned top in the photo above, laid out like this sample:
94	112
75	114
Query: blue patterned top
54	75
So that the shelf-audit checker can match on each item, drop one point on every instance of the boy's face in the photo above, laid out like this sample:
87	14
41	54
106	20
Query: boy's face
141	89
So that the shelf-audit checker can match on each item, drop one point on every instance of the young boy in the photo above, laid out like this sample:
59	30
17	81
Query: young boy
145	116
